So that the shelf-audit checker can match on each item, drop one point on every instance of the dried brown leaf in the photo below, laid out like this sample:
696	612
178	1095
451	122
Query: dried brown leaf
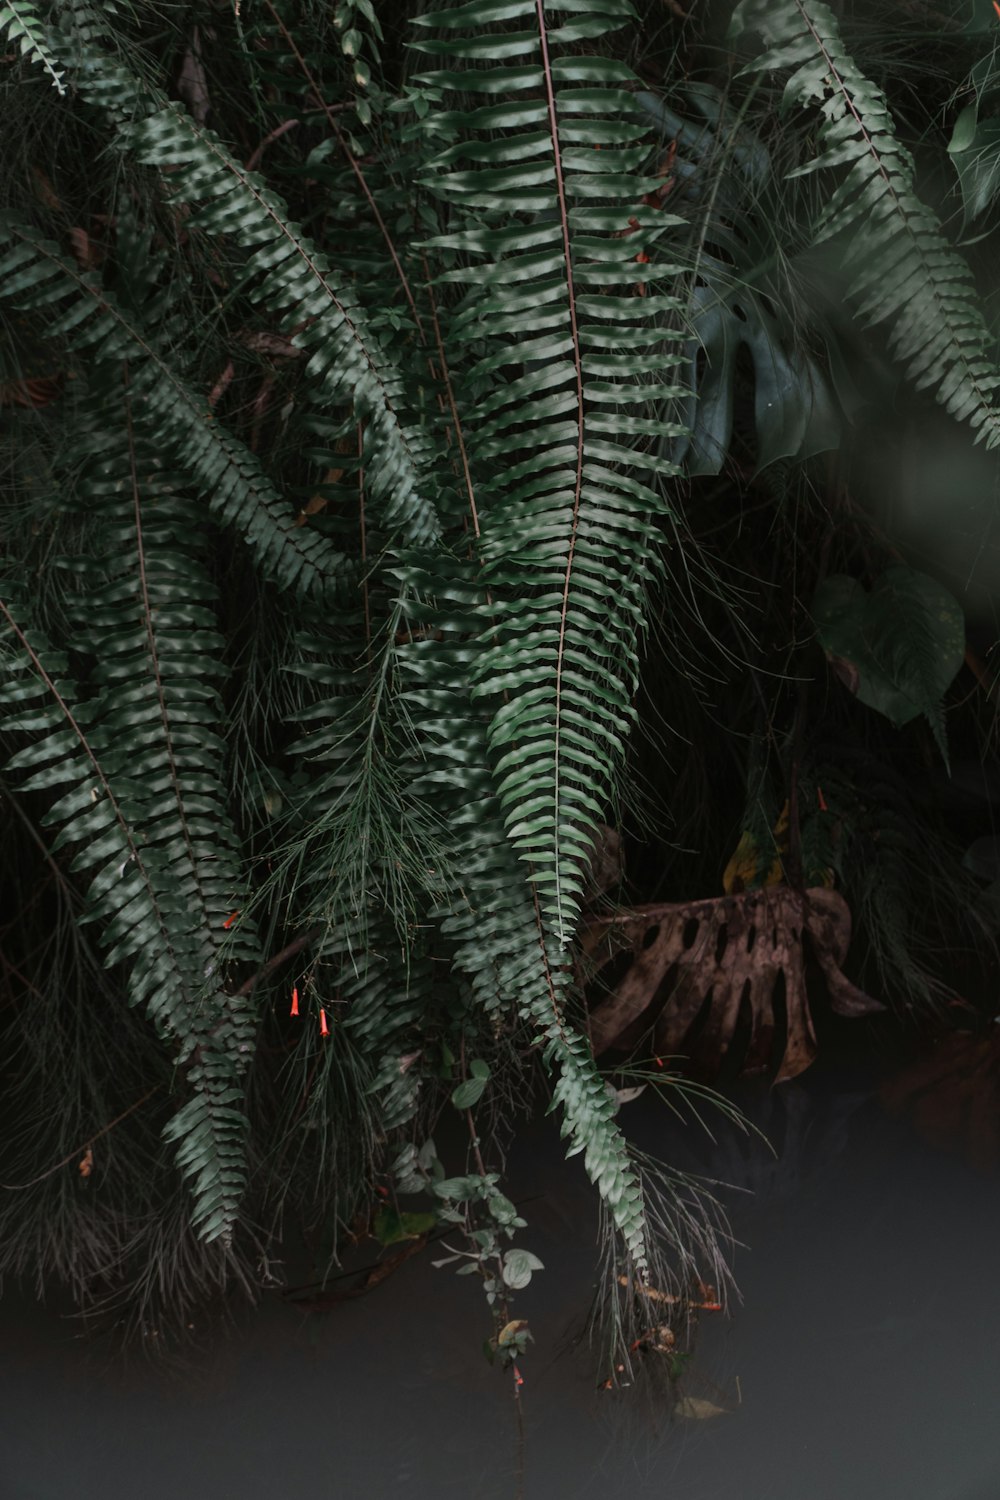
222	385
695	1409
952	1096
510	1331
47	194
85	253
725	951
36	391
192	82
606	863
272	345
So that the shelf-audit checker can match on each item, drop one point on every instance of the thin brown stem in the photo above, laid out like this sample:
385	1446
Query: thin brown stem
352	162
289	951
449	389
364	548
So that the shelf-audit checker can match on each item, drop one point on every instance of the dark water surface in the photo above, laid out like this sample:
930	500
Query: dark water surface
866	1353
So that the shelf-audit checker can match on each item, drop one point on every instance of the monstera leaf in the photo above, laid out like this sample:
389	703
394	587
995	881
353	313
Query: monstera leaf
730	312
795	415
897	647
692	967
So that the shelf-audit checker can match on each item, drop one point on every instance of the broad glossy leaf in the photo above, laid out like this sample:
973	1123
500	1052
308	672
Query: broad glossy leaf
904	641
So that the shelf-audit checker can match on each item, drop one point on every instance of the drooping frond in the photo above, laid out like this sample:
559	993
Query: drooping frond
488	913
568	339
284	273
22	25
904	272
135	767
34	274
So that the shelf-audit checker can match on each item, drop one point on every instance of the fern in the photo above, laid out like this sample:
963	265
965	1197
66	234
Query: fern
542	187
487	912
284	273
460	494
137	765
19	20
904	271
86	314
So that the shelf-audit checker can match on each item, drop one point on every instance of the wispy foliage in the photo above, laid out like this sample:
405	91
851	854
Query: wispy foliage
341	409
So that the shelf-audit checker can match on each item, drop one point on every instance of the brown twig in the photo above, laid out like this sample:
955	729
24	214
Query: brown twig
253	160
351	159
289	951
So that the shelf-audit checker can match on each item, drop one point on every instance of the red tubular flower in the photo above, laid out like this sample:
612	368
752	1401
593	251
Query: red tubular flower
324	1029
229	921
295	1002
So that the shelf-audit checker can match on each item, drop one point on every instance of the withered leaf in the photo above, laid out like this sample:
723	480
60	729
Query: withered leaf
698	1410
271	345
652	1293
34	392
45	191
192	81
952	1096
509	1332
725	951
606	862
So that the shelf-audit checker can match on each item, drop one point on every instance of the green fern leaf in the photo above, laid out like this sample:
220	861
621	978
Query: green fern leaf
20	22
33	274
905	272
562	463
284	272
134	774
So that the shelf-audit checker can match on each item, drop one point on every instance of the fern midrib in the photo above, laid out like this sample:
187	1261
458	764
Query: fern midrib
550	100
452	405
154	657
354	165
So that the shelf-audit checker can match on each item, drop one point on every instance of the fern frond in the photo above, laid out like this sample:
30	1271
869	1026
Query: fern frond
21	23
285	273
136	768
34	274
544	190
905	273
